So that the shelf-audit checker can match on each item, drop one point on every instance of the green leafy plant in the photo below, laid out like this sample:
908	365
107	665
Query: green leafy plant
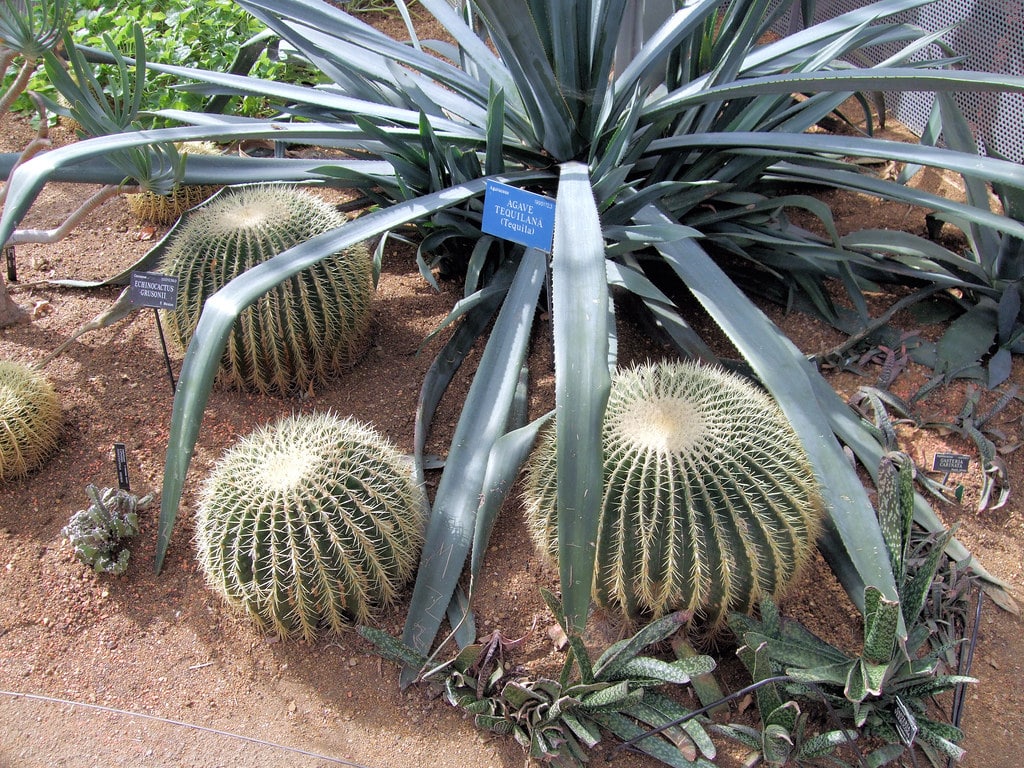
310	523
558	721
220	36
884	692
669	167
708	498
308	327
30	419
28	30
99	533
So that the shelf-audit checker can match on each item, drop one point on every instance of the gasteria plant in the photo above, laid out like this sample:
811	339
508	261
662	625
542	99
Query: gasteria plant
660	162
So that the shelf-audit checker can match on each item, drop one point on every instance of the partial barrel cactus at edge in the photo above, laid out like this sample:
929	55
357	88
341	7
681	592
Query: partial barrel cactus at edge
309	524
30	419
152	208
708	503
302	331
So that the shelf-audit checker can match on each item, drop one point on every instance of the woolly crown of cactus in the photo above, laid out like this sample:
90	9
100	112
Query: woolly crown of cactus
708	501
29	419
310	523
302	331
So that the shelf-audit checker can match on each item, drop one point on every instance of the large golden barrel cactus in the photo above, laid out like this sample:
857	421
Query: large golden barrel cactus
307	328
309	524
29	419
708	500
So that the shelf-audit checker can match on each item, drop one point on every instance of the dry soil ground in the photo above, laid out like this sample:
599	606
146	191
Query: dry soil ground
154	670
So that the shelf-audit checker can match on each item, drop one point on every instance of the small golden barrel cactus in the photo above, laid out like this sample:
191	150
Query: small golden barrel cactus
304	330
152	208
309	524
708	502
29	419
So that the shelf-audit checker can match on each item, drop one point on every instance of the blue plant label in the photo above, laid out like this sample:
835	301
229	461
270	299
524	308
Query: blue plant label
121	461
951	462
520	216
151	289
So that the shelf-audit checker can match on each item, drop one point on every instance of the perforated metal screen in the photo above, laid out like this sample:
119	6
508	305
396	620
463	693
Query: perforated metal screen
989	33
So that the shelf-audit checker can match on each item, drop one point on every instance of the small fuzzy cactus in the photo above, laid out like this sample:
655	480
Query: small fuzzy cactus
304	330
29	419
152	208
309	524
100	532
708	501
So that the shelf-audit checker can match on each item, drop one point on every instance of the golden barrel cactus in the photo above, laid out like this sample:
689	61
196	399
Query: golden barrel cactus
301	332
708	501
29	419
309	524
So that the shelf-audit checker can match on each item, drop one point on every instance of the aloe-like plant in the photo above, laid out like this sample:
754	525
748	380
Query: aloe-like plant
310	523
708	500
154	208
885	691
99	533
29	419
558	721
310	326
661	163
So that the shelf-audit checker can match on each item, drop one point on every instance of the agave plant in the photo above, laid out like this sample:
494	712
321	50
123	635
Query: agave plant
660	163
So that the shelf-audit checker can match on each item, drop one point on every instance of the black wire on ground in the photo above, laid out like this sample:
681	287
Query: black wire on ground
964	668
743	692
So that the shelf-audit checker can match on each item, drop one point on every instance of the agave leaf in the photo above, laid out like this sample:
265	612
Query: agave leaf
519	42
967	338
484	419
506	457
580	309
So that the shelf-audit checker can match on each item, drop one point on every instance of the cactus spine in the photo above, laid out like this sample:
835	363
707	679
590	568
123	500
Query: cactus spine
308	327
309	524
29	419
708	502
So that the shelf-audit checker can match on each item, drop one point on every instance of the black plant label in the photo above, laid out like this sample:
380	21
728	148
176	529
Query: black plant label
906	723
951	462
121	460
151	289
